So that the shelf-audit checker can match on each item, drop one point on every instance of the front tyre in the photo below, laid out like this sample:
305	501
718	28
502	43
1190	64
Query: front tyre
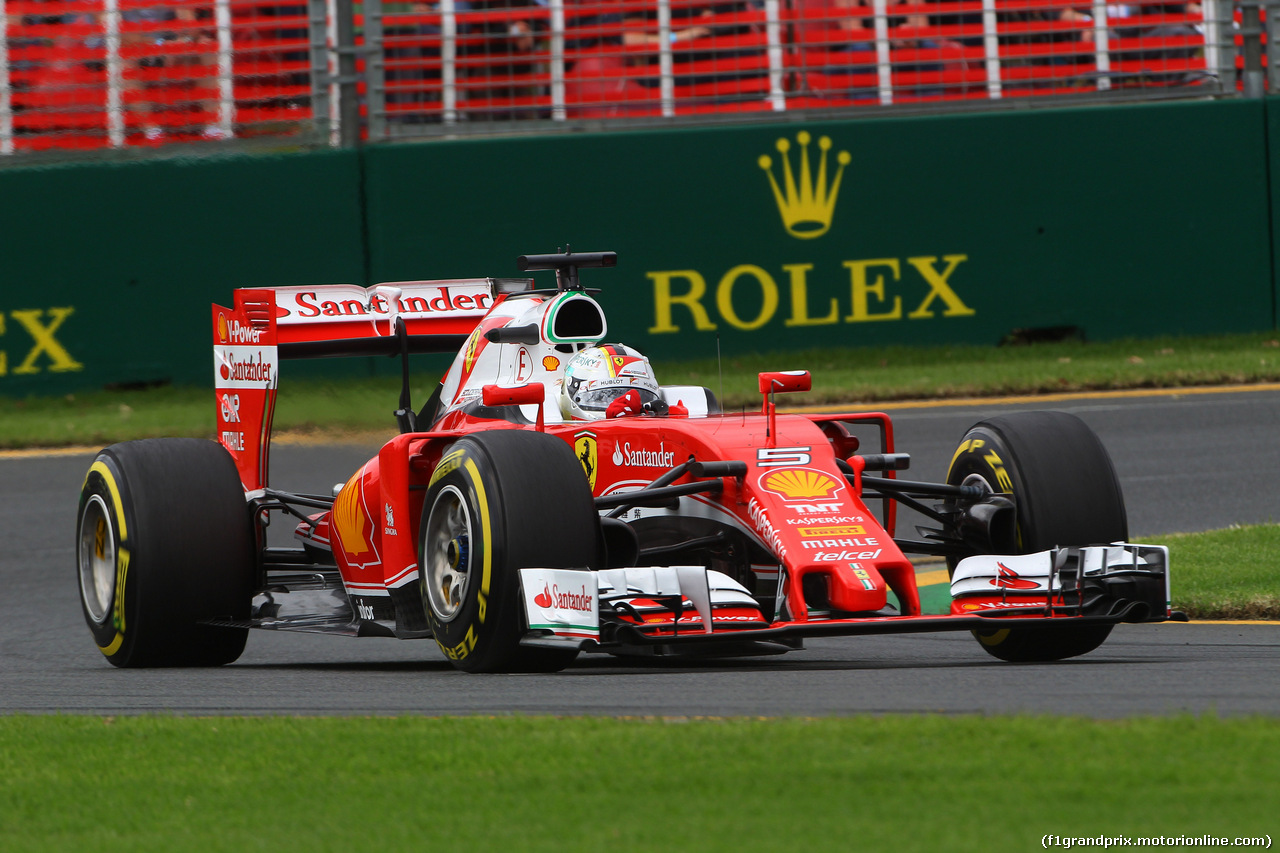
1066	493
498	502
164	544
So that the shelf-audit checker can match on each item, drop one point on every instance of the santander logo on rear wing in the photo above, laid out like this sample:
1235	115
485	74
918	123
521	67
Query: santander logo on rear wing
270	324
347	310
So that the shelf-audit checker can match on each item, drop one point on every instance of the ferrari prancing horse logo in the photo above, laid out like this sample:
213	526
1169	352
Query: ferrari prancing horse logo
584	447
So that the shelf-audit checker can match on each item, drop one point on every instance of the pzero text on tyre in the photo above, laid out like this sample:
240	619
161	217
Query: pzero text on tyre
163	548
1066	493
498	502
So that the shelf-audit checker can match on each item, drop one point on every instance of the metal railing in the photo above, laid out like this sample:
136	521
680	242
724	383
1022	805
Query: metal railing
455	66
138	73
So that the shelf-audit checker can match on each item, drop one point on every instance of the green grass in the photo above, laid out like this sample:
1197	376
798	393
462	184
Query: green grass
1226	574
907	373
856	376
585	784
1219	574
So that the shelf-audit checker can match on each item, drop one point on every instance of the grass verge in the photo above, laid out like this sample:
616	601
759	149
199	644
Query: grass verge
852	375
867	783
875	374
1219	574
1226	574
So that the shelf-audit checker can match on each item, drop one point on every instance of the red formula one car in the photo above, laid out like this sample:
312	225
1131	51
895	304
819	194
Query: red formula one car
552	499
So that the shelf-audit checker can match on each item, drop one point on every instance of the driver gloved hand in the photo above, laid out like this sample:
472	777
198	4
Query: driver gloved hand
628	405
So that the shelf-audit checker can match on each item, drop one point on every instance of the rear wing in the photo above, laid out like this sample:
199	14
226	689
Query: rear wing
267	325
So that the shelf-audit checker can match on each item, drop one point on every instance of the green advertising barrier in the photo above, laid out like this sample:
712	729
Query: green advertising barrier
1272	143
1118	221
109	269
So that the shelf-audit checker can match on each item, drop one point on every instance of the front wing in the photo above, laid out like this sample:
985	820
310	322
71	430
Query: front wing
692	610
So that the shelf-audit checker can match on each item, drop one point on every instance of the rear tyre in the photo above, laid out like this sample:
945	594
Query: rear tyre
1067	494
498	502
164	545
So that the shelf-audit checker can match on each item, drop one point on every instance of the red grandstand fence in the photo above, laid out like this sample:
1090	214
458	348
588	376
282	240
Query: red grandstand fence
133	73
1254	29
138	73
460	62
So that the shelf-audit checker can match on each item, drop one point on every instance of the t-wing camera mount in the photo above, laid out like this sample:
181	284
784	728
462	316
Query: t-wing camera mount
566	265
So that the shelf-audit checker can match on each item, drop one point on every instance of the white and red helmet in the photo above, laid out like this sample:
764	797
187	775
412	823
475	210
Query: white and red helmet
597	376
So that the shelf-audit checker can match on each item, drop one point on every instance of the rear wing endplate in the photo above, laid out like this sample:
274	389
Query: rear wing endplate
335	320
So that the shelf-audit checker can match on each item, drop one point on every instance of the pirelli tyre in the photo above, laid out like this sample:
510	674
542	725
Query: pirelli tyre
497	502
1066	493
164	545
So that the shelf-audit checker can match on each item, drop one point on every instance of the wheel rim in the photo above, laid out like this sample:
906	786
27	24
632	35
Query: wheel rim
979	480
448	553
97	559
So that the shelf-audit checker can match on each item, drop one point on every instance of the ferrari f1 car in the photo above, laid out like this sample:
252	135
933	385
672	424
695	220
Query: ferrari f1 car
517	536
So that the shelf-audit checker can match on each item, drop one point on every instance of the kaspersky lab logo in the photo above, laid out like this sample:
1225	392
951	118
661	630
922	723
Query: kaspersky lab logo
806	208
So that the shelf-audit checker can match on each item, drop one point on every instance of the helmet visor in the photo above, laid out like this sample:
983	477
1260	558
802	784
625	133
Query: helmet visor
598	399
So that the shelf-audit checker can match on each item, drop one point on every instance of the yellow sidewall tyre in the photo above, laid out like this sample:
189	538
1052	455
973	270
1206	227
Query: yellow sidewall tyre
163	547
498	502
1066	492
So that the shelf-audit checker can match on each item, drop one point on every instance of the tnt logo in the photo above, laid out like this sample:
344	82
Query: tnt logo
41	328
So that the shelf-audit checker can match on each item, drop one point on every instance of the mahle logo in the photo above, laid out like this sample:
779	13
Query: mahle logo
806	208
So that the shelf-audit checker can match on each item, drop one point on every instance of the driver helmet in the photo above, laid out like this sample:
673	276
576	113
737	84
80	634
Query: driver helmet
597	376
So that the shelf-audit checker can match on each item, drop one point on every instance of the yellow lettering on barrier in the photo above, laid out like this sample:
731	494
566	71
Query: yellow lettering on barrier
876	293
4	357
45	342
800	299
663	299
938	287
863	291
768	290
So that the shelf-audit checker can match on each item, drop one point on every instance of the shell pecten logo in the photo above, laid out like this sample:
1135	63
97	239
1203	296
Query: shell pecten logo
800	484
348	519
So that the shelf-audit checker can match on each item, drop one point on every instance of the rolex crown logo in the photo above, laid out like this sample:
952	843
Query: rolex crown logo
807	208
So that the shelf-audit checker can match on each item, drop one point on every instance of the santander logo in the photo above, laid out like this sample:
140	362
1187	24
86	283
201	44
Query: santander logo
1009	579
625	457
553	597
256	369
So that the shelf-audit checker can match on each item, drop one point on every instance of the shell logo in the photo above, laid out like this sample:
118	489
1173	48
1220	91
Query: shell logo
348	517
223	334
801	484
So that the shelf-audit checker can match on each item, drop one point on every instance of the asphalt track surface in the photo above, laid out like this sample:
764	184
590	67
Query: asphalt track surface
1186	462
